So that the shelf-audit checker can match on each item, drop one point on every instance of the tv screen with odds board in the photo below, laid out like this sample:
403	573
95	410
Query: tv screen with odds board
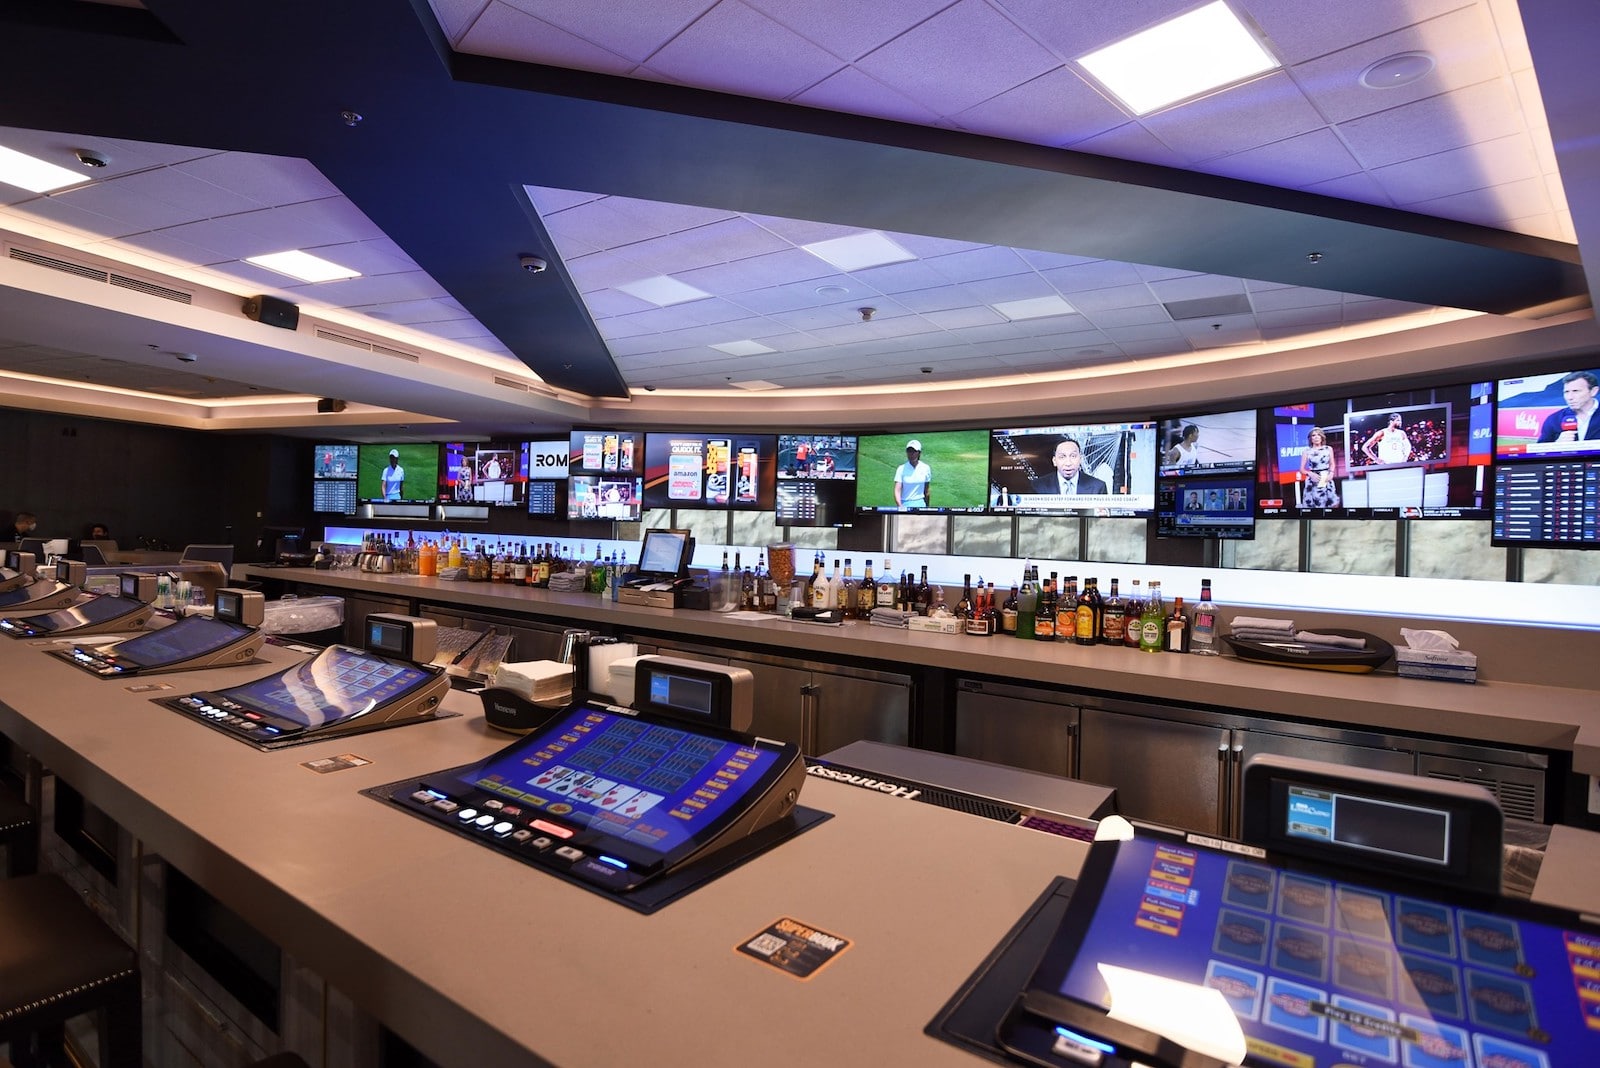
923	471
816	479
398	473
1104	468
1546	416
1410	454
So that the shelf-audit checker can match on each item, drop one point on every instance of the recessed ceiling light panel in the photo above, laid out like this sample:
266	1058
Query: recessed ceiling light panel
663	290
303	265
858	251
1185	57
35	175
743	348
1033	307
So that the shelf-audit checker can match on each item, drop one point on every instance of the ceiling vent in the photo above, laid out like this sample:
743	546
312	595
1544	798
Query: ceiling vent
376	347
97	274
512	383
1209	307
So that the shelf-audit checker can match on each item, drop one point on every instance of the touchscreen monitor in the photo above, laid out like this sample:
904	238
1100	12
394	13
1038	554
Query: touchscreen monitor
339	684
186	639
655	787
1324	969
86	613
665	553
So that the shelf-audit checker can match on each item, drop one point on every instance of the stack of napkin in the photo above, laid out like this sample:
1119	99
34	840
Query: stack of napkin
569	581
539	681
890	617
1337	641
1259	628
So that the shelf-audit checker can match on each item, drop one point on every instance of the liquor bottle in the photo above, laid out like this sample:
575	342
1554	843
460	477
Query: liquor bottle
1203	631
1115	622
1027	605
888	589
817	576
1044	616
964	606
1133	613
1176	638
519	566
924	594
845	594
1086	621
542	573
991	610
498	565
978	613
1099	610
1008	614
455	553
747	586
866	593
1153	622
821	588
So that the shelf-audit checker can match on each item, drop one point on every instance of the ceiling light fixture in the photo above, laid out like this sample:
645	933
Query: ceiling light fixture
743	348
1403	68
1033	307
303	265
35	175
858	251
1185	57
663	290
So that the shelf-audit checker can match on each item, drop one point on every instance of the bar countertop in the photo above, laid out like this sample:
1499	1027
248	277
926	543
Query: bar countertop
1503	713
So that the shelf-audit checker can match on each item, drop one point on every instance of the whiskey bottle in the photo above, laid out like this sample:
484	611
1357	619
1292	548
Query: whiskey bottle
1177	629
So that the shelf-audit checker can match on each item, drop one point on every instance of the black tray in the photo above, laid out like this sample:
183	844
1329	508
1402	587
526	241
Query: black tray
1290	653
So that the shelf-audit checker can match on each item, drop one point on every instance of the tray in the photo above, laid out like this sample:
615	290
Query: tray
1315	657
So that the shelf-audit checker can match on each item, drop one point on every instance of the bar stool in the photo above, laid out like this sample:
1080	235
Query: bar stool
58	961
19	833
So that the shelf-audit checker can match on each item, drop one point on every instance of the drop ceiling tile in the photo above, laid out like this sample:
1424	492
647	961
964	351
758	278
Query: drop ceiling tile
703	246
1462	42
944	298
375	289
1139	315
1368	310
634	30
456	16
502	32
161	243
656	218
849	30
1270	108
128	155
929	247
268	180
734	48
602	270
594	222
1091	301
369	257
415	312
547	200
782	267
1482	112
1028	286
1044	261
1139	349
610	303
1509	159
1101	274
309	225
1290	320
803	231
1359	187
1132	141
857	93
789	340
58	211
1123	335
1196	287
1223	330
985	262
1001	329
128	212
956	318
905	277
1053	109
1299	30
1488	207
792	297
995	55
903	326
1293	163
1293	297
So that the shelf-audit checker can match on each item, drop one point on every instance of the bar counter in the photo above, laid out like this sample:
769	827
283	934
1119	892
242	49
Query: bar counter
475	959
1489	712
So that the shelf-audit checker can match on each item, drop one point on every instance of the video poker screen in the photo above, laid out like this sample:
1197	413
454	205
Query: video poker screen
339	683
190	637
651	785
1323	971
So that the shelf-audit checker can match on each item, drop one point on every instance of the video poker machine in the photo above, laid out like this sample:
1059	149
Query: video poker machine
341	690
640	804
230	636
127	609
1291	956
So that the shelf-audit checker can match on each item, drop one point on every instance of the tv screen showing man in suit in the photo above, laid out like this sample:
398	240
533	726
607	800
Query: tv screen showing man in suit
1105	468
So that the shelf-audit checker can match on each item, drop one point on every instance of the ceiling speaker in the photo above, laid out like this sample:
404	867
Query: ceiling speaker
272	312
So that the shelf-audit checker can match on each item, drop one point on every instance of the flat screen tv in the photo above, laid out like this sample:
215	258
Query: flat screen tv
922	471
405	473
1410	454
1219	506
816	479
710	470
1545	416
1550	504
1222	443
594	451
334	461
493	473
617	497
1100	468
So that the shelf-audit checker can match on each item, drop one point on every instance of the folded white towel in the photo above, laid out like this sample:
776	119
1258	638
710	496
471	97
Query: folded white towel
1277	626
1250	635
1311	637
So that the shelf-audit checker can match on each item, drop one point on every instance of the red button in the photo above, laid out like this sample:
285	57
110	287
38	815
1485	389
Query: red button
551	828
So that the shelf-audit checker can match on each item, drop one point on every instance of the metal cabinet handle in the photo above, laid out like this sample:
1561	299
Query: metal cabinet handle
1223	781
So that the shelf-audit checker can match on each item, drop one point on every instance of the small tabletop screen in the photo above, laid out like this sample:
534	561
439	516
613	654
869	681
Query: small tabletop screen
184	640
650	785
94	610
340	683
1320	970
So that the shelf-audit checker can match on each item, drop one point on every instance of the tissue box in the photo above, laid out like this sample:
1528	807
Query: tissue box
1454	665
934	624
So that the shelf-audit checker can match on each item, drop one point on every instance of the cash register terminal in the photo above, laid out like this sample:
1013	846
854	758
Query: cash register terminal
342	690
231	635
128	609
640	804
662	576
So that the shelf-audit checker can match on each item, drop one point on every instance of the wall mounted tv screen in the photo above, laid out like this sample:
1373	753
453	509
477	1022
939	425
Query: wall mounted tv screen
693	470
1546	416
1410	454
593	451
1100	468
493	472
1221	443
923	471
406	473
816	479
